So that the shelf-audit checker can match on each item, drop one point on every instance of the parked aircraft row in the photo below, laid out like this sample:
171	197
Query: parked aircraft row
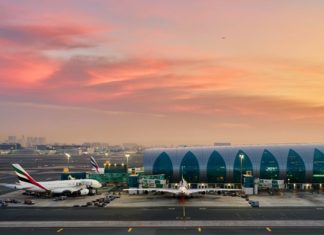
86	186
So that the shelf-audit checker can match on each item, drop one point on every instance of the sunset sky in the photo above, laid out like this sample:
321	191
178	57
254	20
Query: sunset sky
163	72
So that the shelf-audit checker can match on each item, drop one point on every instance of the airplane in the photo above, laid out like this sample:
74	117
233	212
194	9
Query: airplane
184	189
96	167
64	187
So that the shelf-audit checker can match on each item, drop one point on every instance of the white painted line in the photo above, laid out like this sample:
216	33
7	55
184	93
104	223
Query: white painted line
163	223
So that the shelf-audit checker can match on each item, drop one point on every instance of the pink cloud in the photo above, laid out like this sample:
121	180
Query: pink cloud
148	85
24	70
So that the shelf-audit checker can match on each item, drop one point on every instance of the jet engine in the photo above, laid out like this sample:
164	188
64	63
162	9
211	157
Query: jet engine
84	191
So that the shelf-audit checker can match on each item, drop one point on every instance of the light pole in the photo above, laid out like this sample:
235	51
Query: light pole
68	159
127	155
288	185
241	158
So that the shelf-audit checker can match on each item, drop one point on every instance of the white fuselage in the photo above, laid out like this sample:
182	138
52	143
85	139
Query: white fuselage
183	190
57	185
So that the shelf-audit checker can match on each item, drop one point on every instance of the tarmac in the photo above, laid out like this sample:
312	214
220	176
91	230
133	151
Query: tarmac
164	224
162	221
290	199
179	213
285	213
287	199
164	231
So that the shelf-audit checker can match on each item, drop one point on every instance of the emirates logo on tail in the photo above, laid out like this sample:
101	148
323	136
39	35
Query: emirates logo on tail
94	164
23	176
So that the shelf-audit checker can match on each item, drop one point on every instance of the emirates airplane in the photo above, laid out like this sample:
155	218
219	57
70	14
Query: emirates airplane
65	187
183	189
95	166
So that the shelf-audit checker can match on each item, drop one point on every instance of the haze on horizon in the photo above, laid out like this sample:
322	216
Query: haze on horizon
163	72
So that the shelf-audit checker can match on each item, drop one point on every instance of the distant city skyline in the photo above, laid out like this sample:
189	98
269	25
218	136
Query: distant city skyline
163	72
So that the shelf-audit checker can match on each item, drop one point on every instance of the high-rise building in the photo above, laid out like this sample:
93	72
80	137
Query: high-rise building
12	139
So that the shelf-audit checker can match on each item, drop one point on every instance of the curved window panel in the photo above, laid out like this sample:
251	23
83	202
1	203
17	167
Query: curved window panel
189	168
246	166
216	168
163	165
269	168
318	167
295	168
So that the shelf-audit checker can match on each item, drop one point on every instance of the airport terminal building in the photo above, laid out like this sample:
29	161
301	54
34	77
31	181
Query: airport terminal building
295	164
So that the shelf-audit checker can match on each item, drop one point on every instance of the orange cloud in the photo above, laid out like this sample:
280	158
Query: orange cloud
126	70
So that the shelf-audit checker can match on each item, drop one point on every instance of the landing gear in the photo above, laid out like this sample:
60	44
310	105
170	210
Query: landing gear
66	193
92	191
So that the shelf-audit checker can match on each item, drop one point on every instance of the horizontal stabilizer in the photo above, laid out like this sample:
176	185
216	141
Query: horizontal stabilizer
12	186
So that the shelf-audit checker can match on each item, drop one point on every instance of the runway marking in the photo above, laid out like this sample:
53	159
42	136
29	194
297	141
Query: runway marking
165	223
129	230
60	230
202	208
171	208
199	229
268	229
319	208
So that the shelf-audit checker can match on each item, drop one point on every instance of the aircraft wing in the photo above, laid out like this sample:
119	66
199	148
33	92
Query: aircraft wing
201	190
163	190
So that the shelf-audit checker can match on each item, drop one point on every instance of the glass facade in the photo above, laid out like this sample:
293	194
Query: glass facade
189	168
163	165
318	167
216	168
295	168
294	164
269	168
246	166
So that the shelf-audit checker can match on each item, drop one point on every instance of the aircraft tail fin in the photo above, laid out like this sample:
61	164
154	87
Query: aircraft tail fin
94	164
24	177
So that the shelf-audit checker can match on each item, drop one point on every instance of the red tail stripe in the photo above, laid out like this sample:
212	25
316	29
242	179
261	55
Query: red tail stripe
35	183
